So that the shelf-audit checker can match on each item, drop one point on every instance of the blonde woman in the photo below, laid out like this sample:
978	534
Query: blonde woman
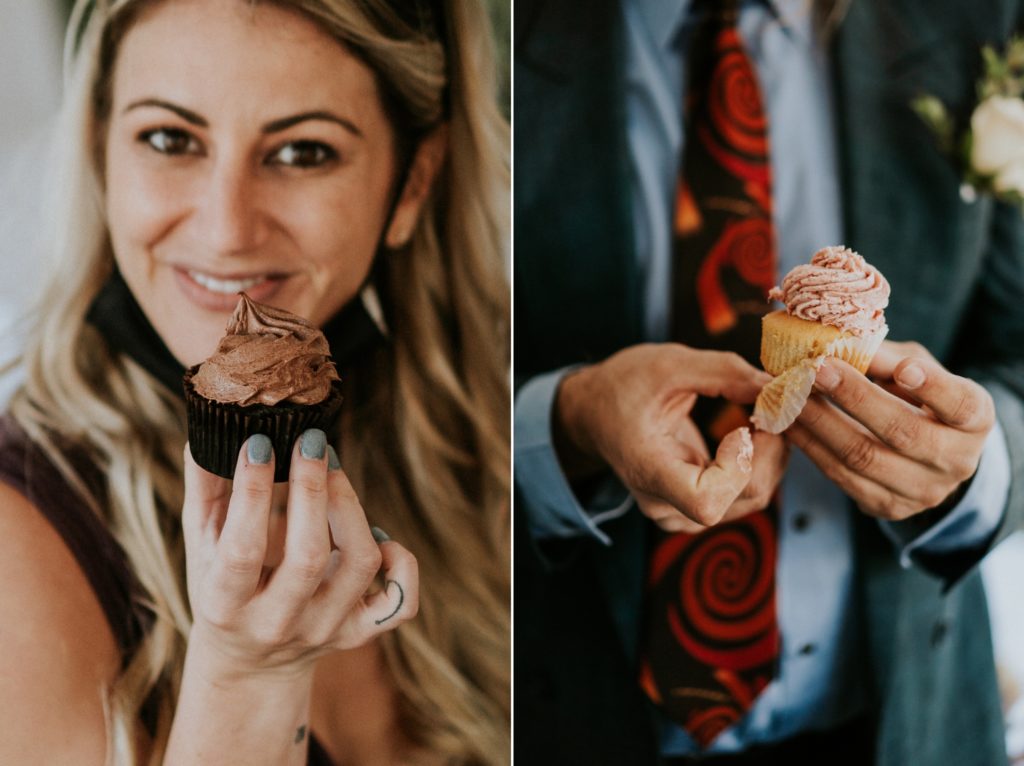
345	161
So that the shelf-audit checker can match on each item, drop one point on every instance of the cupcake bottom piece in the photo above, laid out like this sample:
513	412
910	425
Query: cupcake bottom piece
786	340
217	431
780	402
793	349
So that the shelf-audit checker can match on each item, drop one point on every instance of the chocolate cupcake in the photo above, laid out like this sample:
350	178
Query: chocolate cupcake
271	374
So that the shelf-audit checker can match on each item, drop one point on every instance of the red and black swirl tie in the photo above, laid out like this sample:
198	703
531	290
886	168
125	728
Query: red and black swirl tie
711	643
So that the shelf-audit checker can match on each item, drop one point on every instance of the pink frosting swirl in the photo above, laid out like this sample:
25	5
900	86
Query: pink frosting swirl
839	288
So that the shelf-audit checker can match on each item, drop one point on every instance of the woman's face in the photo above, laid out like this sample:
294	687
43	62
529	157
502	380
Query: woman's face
246	150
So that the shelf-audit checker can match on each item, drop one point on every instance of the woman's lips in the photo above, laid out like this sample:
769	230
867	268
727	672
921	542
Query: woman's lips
221	293
226	285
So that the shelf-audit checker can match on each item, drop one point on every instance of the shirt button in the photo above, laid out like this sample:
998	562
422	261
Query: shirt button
808	649
801	521
939	632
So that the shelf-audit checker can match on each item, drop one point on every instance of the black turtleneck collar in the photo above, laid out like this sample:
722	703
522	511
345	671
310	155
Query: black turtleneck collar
120	320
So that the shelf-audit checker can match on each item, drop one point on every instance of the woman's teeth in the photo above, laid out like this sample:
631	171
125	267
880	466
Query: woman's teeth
227	286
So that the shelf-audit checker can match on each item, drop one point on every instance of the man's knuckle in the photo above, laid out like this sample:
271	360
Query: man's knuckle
958	464
986	409
734	360
638	476
662	521
871	508
968	408
966	466
891	508
902	433
647	508
852	393
739	511
758	492
672	523
859	454
915	349
813	412
890	512
933	495
703	511
658	512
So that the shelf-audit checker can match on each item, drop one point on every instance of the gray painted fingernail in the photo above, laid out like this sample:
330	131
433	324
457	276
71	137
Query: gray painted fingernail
379	535
333	461
313	444
259	449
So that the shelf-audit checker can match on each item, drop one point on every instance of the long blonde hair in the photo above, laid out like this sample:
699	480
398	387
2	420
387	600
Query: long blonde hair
433	402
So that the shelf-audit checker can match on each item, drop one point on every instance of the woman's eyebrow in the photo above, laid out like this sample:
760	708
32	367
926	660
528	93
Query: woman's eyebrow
275	126
286	122
186	114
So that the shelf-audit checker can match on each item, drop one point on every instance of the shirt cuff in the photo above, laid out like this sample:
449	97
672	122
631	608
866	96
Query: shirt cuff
974	519
552	508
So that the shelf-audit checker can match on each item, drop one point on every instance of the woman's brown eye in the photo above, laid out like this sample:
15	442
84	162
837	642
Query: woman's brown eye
304	154
170	141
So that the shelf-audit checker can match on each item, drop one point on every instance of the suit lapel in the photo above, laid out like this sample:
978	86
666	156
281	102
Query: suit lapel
583	302
902	208
571	185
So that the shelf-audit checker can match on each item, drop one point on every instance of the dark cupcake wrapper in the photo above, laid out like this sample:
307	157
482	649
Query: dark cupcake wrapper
217	431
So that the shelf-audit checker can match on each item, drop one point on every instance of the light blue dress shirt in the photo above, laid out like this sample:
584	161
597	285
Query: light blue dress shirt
820	677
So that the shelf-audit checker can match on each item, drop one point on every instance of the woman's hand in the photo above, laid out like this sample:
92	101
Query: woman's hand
257	630
632	413
316	599
902	444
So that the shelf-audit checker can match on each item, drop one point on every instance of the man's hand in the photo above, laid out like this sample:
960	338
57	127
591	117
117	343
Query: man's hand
900	445
632	413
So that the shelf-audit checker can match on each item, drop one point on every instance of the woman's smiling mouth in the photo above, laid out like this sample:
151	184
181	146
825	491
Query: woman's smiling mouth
226	285
220	292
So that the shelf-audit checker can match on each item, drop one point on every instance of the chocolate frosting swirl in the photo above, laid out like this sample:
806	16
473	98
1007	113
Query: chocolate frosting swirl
839	288
267	356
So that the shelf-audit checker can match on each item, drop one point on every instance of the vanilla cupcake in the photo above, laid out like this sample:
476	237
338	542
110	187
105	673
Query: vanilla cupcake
834	308
271	374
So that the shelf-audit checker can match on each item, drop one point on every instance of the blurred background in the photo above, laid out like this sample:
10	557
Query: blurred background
30	75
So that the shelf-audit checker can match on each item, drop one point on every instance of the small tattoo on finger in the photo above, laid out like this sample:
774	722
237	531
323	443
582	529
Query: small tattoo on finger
401	600
300	734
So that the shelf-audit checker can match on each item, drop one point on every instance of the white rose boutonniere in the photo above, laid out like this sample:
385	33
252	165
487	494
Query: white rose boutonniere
997	148
991	147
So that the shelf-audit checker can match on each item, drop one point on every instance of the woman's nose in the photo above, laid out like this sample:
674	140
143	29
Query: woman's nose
230	215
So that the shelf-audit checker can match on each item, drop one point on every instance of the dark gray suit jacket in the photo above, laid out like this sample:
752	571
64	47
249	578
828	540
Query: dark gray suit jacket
957	276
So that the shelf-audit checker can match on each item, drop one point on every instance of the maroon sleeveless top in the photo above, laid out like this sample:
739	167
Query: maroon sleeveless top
25	467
